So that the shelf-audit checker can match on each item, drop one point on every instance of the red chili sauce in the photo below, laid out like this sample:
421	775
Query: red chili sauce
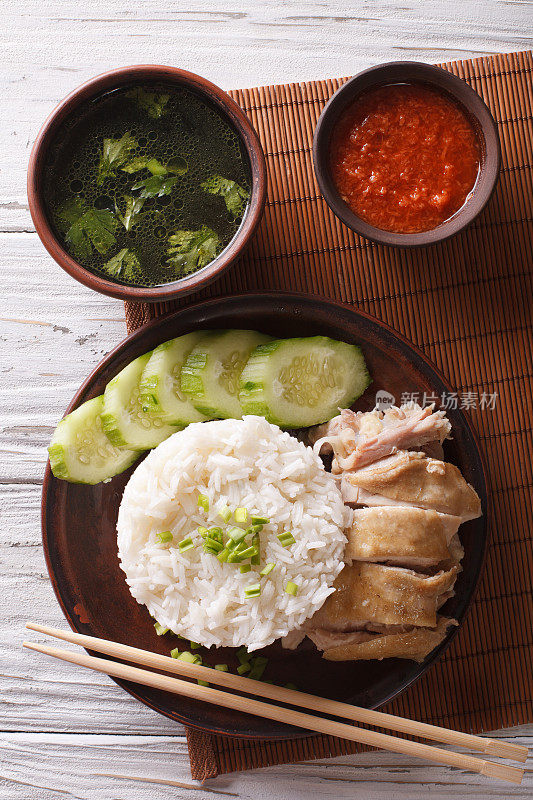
404	158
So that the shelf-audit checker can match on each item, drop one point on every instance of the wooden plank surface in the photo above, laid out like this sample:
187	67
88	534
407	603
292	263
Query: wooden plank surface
61	727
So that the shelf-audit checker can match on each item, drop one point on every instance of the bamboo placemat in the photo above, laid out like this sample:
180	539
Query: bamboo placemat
468	304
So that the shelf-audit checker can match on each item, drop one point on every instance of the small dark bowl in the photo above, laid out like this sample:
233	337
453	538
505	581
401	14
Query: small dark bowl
437	78
213	96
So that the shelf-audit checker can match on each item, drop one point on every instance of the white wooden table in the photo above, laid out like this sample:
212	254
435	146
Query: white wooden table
62	729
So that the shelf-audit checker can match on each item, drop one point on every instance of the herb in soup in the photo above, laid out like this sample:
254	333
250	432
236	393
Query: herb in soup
146	185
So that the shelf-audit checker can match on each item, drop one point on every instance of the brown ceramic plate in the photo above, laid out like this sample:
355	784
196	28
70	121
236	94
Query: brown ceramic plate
79	521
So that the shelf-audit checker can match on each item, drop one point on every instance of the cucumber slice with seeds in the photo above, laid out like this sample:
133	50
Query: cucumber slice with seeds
80	452
296	383
125	422
160	381
210	375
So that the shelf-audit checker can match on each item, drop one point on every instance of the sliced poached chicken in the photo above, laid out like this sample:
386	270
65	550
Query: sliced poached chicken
370	595
412	479
361	438
403	536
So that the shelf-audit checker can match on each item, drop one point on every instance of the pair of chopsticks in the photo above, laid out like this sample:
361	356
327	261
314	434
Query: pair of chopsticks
290	716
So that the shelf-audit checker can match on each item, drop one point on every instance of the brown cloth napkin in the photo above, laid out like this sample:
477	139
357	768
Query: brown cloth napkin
467	303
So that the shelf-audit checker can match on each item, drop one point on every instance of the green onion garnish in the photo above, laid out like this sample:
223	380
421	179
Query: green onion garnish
292	588
195	645
255	529
185	544
212	545
215	533
241	514
258	667
243	669
254	590
190	658
164	537
236	534
221	667
242	655
223	555
268	569
202	531
225	513
175	653
160	630
203	502
256	558
245	568
260	520
286	539
202	683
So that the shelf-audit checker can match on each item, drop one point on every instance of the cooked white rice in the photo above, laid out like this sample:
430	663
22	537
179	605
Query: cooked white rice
247	463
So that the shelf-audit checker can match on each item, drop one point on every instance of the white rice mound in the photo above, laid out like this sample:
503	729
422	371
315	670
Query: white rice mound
248	463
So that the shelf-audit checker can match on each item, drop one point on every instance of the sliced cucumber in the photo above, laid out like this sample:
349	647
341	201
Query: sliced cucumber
80	452
210	375
124	421
296	383
160	381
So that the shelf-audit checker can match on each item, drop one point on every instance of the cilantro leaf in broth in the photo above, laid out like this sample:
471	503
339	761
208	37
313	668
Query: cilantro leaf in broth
234	195
191	250
131	212
115	153
151	164
125	265
154	186
153	103
86	228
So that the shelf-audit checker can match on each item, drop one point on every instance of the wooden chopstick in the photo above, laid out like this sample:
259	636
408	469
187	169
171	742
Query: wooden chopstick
480	744
289	716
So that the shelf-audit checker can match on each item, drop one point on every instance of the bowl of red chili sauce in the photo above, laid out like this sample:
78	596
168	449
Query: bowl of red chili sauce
406	154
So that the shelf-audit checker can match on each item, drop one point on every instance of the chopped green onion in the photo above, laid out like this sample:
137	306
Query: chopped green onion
164	536
203	502
292	588
222	667
286	539
241	514
225	513
185	544
236	534
258	667
243	669
223	555
268	569
256	558
160	630
175	653
240	555
195	645
202	531
216	533
212	545
254	590
190	658
292	686
245	568
260	520
202	683
242	655
255	528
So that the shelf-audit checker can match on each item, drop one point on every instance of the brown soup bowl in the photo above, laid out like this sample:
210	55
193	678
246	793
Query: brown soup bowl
444	82
213	96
